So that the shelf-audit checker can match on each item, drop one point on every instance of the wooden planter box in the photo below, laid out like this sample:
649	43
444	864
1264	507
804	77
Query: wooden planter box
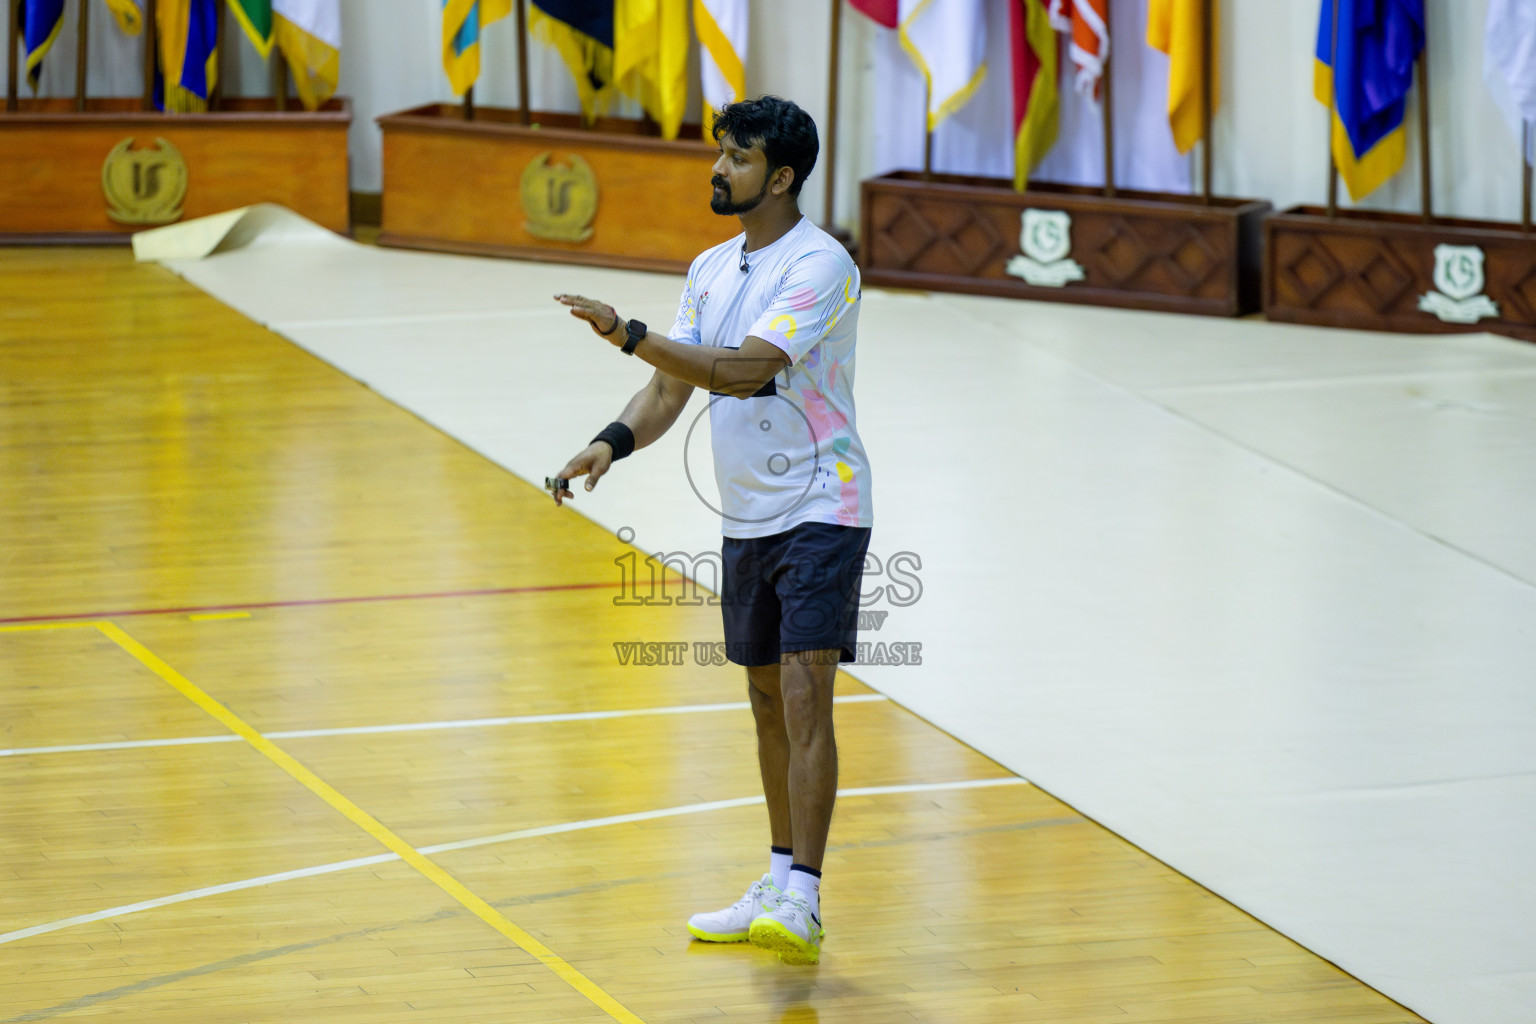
1382	271
611	195
58	186
1141	250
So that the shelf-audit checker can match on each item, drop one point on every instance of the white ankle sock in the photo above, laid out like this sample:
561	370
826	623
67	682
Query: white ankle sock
779	860
807	884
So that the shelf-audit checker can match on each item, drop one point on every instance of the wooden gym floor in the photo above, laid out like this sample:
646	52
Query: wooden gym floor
300	721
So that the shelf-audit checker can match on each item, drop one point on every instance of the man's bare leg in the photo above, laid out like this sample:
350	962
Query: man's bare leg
793	927
805	690
733	924
772	750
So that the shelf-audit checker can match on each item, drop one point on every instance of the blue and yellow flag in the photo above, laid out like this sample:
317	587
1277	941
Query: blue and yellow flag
41	21
1366	50
189	58
581	31
462	22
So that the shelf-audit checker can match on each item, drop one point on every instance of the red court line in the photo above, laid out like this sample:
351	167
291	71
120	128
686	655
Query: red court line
255	606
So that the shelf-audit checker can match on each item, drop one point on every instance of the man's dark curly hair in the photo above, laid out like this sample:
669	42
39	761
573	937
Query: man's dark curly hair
784	131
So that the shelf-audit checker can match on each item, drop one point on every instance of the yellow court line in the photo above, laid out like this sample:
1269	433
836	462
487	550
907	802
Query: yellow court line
442	879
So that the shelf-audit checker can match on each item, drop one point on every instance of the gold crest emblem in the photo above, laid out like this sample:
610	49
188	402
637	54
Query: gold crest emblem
144	186
560	201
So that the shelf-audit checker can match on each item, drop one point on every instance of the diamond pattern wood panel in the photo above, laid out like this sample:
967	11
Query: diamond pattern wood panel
1147	251
1372	270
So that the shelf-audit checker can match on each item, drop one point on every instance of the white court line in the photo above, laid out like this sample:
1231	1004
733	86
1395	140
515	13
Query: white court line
924	787
577	826
195	894
120	745
667	812
467	723
465	844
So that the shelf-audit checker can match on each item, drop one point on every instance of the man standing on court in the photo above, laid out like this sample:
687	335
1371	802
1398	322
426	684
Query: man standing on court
767	325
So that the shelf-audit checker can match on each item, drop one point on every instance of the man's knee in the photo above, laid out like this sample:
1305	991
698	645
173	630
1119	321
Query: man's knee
805	687
764	692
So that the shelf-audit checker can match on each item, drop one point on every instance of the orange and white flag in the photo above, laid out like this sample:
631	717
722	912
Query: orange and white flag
1086	22
1145	154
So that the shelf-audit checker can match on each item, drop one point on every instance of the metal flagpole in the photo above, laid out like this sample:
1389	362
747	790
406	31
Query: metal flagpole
927	133
1333	105
1426	185
1208	78
82	53
522	64
220	64
834	63
151	45
279	79
13	34
1106	83
1525	176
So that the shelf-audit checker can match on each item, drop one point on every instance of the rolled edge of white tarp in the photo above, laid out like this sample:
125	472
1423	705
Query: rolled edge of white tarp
240	228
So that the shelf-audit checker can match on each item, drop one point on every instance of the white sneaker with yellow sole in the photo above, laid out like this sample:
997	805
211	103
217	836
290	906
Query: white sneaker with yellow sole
734	923
790	930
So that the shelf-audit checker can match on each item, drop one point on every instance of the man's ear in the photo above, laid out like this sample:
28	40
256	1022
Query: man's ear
783	178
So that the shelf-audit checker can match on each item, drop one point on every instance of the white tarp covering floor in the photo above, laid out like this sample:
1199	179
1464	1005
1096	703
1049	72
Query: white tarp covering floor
1260	599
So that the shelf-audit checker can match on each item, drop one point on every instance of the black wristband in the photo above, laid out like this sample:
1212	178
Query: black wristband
619	437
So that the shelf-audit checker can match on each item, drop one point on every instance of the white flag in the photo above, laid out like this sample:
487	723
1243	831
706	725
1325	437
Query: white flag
309	34
721	26
947	40
979	139
1509	60
975	140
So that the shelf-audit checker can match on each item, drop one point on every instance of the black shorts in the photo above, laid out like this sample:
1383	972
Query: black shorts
794	591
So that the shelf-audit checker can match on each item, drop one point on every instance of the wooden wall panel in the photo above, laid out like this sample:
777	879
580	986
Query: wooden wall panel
1370	271
1140	250
52	189
456	185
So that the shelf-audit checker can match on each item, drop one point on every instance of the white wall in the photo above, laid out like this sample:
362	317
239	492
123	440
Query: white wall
1270	134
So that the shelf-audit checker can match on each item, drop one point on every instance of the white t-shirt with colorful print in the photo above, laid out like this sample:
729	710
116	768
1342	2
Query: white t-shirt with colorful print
790	454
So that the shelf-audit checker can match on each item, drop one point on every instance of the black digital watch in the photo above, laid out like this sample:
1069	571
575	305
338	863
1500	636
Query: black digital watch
635	331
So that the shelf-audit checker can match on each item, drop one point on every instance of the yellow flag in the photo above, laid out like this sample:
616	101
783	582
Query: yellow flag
650	57
1176	28
129	18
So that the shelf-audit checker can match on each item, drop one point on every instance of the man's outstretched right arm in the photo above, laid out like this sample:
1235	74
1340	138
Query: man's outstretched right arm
648	415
